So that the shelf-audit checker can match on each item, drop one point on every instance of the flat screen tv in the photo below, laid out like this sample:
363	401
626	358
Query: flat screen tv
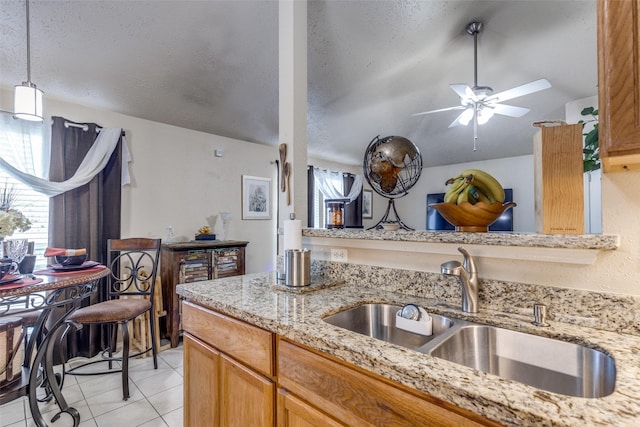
435	221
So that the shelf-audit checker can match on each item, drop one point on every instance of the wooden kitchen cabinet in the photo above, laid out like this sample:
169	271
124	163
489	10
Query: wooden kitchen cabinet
201	383
358	398
618	84
228	371
230	365
293	412
193	262
246	397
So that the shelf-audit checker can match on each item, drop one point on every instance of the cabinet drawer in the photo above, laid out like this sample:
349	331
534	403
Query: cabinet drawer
358	399
247	343
194	266
227	262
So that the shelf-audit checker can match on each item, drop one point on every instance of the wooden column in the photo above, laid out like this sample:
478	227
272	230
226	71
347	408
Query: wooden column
559	182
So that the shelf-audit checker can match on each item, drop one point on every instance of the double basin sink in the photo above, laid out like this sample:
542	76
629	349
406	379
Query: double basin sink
545	363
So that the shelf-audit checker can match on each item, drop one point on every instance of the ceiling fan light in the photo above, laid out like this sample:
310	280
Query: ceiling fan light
27	102
484	115
466	116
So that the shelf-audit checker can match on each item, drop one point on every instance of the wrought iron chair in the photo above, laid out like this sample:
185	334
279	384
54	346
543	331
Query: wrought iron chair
131	285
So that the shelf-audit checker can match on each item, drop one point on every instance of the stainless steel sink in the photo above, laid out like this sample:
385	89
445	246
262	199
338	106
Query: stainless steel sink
378	321
545	363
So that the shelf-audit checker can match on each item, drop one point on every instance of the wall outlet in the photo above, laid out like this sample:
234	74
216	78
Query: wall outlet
339	255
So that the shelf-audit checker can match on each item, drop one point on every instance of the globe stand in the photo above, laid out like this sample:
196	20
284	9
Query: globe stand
385	218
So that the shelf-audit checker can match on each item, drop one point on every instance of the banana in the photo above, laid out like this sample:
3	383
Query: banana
465	196
479	196
458	184
486	184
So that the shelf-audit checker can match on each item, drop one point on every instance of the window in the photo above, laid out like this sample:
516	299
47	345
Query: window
22	145
318	199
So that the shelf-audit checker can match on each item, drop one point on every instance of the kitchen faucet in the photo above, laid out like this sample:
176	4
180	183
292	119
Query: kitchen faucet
468	279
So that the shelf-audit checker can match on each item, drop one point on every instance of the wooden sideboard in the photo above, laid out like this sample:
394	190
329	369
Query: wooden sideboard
192	262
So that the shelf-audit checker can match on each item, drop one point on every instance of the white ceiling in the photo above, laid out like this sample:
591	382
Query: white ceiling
212	66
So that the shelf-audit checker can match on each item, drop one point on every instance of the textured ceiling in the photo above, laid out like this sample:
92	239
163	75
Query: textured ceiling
212	66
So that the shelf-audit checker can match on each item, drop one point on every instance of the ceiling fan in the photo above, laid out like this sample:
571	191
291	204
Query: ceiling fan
479	102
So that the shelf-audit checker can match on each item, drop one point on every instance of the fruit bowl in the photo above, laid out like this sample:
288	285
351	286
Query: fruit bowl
473	218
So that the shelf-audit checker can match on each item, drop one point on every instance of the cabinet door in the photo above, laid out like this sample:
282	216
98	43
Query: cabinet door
228	262
293	412
359	399
618	85
247	398
195	266
201	379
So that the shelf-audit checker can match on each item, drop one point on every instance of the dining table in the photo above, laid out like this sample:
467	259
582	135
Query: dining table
55	287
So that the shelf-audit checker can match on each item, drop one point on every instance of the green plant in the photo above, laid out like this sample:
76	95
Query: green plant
591	158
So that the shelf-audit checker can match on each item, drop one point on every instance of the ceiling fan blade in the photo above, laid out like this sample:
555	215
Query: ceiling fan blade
463	91
459	107
515	92
510	110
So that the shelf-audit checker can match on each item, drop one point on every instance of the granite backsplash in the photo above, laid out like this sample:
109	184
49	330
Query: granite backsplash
610	312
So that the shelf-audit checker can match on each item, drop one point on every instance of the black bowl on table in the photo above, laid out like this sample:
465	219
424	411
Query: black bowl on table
66	261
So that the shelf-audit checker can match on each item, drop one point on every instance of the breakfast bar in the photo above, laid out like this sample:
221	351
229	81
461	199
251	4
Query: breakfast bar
294	319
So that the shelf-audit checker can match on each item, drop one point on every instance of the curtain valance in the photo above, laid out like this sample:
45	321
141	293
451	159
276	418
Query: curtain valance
94	162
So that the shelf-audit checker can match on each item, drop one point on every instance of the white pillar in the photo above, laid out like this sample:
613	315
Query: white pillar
293	103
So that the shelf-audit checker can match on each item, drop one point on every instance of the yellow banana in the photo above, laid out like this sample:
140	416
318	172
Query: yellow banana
465	196
479	196
486	184
458	184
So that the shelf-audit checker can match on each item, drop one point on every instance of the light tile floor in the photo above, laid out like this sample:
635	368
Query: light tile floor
156	397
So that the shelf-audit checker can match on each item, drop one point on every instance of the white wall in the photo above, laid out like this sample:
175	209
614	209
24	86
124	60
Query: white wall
614	271
593	180
514	172
177	180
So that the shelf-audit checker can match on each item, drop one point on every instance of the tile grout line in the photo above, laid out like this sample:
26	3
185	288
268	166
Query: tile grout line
173	369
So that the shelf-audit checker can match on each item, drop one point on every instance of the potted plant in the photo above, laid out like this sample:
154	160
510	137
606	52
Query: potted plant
591	158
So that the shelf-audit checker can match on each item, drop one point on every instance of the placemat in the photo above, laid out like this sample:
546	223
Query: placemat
20	283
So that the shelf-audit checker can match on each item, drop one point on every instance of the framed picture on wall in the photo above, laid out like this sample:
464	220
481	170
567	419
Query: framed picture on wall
367	204
256	197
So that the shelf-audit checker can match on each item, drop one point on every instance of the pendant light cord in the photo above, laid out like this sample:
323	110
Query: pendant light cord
475	59
28	46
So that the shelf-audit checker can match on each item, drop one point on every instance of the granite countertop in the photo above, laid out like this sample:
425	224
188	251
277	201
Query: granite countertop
257	299
567	241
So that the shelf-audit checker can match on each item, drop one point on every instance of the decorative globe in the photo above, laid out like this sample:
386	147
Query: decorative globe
392	165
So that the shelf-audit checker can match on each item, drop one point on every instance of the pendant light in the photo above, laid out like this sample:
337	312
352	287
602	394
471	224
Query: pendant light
27	100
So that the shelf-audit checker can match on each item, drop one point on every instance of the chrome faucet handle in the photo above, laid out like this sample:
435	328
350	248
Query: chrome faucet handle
451	267
469	262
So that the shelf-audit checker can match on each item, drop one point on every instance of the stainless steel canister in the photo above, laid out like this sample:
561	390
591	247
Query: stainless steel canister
297	267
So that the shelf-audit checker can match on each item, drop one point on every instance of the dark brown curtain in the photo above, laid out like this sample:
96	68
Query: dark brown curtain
353	210
311	185
86	216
